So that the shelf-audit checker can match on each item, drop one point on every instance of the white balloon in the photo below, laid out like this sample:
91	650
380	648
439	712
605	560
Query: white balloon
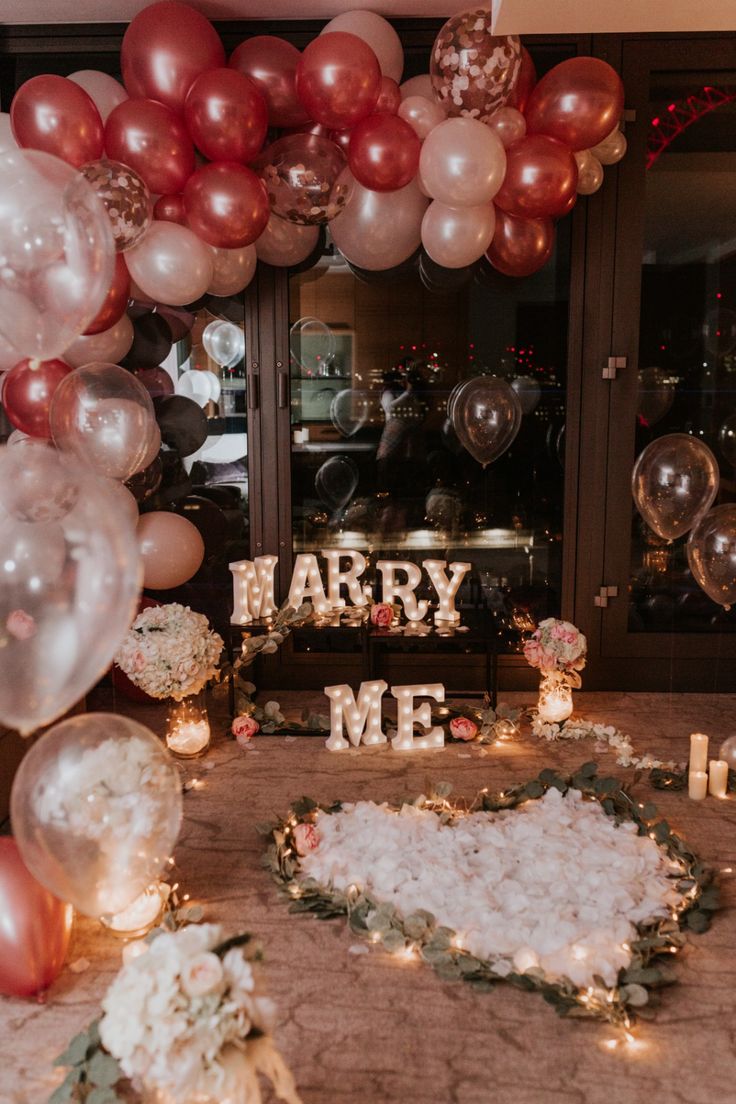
7	141
194	385
378	33
108	347
104	91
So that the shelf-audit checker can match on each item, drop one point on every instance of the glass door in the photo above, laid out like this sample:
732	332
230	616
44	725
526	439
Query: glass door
674	320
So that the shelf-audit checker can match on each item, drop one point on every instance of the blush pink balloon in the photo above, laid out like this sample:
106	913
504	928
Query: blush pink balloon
421	114
232	270
541	177
509	124
419	86
165	48
457	236
108	347
379	230
462	163
171	264
104	91
389	98
271	63
171	548
378	33
283	243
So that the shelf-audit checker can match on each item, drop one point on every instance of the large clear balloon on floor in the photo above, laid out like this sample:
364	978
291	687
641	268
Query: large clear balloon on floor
71	579
486	415
711	553
58	253
96	807
674	482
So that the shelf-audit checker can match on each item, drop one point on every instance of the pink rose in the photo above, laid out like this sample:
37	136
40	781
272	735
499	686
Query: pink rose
381	615
20	624
462	728
203	974
139	661
244	727
306	838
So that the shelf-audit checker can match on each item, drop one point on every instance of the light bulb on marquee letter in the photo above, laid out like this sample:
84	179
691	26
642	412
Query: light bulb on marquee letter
253	589
404	592
306	584
446	588
407	716
362	719
351	577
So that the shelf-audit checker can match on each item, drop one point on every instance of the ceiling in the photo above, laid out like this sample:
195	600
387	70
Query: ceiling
511	16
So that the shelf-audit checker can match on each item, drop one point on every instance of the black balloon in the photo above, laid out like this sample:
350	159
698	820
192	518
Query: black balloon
151	342
145	483
443	280
208	519
314	256
182	423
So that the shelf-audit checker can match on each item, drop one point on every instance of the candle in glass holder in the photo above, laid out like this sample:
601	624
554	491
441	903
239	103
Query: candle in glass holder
555	703
718	777
140	915
697	785
188	738
698	752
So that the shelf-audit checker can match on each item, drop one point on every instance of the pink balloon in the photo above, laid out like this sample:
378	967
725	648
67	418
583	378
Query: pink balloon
457	236
283	243
171	549
462	163
389	98
379	230
271	62
232	269
108	347
171	264
104	91
421	114
590	172
378	33
419	86
509	124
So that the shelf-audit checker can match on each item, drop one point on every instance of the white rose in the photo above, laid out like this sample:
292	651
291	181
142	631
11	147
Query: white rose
201	975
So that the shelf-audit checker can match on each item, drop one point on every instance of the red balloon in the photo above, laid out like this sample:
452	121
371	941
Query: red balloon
152	140
389	98
271	63
384	153
226	204
164	50
55	115
36	927
170	208
520	246
115	301
338	79
226	115
28	389
541	176
525	82
579	102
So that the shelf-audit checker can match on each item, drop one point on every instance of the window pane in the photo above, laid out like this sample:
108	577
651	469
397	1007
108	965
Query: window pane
687	352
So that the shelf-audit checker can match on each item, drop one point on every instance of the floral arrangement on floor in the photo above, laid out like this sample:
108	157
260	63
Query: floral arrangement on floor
604	735
558	649
679	893
170	652
186	1020
484	726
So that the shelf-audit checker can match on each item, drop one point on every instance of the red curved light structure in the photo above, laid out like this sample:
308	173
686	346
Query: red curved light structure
681	115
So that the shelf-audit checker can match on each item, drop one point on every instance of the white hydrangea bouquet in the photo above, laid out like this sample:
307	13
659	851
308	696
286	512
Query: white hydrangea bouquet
557	649
170	652
186	1021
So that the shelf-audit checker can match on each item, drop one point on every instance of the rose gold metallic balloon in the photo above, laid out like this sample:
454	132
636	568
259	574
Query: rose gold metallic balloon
171	264
271	63
457	236
170	208
55	115
674	482
421	114
378	33
520	246
226	204
474	71
578	102
171	550
525	82
509	124
35	930
541	177
389	98
590	172
232	270
152	140
283	243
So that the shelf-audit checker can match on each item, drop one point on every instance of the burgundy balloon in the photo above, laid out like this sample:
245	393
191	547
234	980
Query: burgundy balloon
271	63
384	153
541	177
226	204
341	138
145	483
36	928
116	300
156	381
164	50
520	246
226	115
525	82
170	208
579	102
150	138
338	79
389	97
28	389
55	115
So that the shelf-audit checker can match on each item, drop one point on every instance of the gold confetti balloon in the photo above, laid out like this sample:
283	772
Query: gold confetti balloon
125	197
302	177
473	71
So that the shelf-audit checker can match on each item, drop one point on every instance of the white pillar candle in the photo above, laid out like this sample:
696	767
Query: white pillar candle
306	584
253	589
362	719
446	588
392	590
718	777
698	752
407	716
351	577
697	785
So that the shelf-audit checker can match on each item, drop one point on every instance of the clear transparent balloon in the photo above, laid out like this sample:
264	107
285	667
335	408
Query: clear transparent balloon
349	411
71	582
302	174
655	396
711	554
125	197
57	250
336	481
312	345
727	439
96	808
486	415
728	752
674	482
